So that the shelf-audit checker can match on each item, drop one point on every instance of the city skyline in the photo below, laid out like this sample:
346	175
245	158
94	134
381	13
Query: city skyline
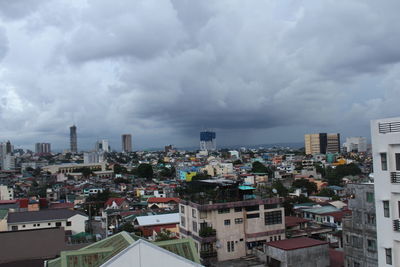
261	83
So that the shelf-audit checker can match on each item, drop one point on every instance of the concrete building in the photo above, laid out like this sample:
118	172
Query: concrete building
385	134
208	141
93	157
42	148
230	230
73	139
359	228
126	143
6	193
302	251
31	220
322	143
102	146
72	168
355	144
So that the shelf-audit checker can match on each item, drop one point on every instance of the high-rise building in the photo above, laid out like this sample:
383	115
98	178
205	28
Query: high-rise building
385	137
73	139
207	141
355	144
126	143
322	143
42	148
102	146
359	228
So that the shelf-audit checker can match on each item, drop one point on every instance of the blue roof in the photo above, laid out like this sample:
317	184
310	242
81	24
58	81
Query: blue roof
246	187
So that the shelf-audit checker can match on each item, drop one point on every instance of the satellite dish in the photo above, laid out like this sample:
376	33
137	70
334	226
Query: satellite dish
274	191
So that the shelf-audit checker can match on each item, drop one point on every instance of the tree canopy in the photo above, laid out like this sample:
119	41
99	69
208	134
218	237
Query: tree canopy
145	170
310	187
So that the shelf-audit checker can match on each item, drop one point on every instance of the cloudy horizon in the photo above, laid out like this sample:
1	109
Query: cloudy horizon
256	72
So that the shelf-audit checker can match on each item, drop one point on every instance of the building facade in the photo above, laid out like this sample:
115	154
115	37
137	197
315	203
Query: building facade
356	144
230	230
42	148
359	229
126	143
73	139
385	135
208	141
322	143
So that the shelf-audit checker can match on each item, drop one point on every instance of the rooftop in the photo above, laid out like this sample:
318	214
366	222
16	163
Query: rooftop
158	219
296	243
42	215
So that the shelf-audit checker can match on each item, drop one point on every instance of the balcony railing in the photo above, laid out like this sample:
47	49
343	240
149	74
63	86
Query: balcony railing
396	225
207	231
208	254
389	127
395	177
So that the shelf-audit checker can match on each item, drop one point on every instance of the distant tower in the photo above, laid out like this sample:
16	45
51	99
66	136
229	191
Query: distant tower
126	143
207	141
73	139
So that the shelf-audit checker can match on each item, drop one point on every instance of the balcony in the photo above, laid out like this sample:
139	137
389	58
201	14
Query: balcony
396	225
389	127
207	231
395	177
208	254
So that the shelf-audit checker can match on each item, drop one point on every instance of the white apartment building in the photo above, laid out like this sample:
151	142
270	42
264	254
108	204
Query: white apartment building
230	230
6	193
385	134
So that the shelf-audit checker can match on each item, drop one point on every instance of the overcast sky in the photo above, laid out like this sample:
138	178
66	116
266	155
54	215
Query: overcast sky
254	71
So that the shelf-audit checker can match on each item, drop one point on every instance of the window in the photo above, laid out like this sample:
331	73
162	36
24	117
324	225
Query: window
238	220
388	252
273	217
227	222
356	264
194	227
370	197
69	223
34	225
23	226
386	211
194	213
270	206
370	218
397	155
371	244
356	241
182	209
183	221
220	211
384	161
230	246
254	215
38	224
252	208
58	224
14	227
238	209
48	223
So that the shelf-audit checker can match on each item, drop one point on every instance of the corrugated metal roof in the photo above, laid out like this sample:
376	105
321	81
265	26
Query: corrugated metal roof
42	215
158	219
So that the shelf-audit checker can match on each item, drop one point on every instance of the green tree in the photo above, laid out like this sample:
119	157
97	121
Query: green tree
237	162
118	169
145	170
280	188
164	235
304	183
326	192
128	227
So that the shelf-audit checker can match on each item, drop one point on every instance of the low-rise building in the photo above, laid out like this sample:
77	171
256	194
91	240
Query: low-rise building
74	221
230	230
302	251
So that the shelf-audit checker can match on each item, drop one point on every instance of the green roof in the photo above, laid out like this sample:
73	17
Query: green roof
105	249
183	247
3	214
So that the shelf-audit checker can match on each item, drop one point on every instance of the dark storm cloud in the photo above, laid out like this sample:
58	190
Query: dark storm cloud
165	69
